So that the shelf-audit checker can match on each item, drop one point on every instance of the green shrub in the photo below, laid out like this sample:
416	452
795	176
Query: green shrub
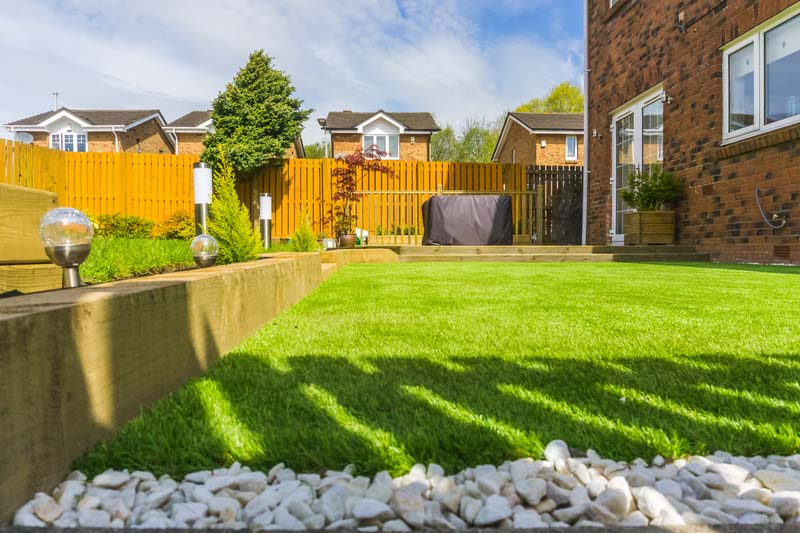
178	226
653	189
229	220
304	239
123	226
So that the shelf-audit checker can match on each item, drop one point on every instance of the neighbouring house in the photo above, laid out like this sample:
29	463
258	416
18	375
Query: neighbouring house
405	136
540	139
190	130
711	90
96	130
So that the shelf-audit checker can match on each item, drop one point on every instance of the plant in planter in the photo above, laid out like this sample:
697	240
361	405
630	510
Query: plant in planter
342	214
652	194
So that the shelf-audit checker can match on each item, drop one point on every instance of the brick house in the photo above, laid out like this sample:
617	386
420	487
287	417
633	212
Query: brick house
94	130
404	136
711	90
540	139
190	130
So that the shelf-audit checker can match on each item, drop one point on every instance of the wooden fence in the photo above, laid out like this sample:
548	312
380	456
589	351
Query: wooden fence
154	186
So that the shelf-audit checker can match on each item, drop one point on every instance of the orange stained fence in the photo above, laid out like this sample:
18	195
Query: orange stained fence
152	186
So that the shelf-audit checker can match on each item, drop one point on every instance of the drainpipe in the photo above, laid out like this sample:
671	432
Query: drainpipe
585	220
116	140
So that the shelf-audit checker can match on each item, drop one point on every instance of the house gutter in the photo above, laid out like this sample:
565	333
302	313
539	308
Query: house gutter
586	138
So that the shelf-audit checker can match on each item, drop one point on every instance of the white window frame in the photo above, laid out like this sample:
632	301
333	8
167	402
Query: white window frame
573	157
61	142
634	107
384	135
755	37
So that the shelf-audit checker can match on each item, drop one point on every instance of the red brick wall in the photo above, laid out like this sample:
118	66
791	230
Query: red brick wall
633	47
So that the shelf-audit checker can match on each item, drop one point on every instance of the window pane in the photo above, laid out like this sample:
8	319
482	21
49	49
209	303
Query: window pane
394	146
572	148
380	140
69	142
55	141
741	112
782	58
652	134
81	142
369	140
625	163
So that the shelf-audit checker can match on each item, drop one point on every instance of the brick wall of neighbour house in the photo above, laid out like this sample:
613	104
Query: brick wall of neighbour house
147	138
347	143
41	138
521	140
290	153
419	150
555	150
190	143
633	47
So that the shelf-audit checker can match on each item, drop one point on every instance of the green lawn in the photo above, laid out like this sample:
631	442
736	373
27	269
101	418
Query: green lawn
461	364
124	258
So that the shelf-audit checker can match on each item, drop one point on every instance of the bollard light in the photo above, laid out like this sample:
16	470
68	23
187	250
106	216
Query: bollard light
265	218
67	238
204	250
202	196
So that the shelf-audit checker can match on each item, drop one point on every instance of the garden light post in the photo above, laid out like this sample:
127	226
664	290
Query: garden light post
67	238
202	196
265	218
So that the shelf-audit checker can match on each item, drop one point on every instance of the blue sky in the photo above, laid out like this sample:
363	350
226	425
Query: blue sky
459	59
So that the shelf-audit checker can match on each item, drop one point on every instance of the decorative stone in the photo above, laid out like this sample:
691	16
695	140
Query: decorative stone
469	509
556	450
93	518
494	510
786	503
571	514
740	507
635	519
45	508
251	481
668	518
532	490
778	481
408	506
446	492
286	521
314	522
670	488
189	513
396	526
650	501
753	519
111	479
366	509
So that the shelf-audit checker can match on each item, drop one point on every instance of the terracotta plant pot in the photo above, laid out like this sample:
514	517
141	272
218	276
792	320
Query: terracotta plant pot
649	227
347	240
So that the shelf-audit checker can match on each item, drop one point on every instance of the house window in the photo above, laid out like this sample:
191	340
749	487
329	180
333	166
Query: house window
69	142
572	148
761	76
384	143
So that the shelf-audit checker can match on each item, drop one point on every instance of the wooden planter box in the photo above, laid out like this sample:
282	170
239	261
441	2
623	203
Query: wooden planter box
649	227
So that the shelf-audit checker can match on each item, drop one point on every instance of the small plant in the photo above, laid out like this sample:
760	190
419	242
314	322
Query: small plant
178	226
229	220
123	226
341	215
652	190
304	239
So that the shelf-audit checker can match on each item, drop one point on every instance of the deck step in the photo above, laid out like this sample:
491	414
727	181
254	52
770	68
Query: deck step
541	250
677	257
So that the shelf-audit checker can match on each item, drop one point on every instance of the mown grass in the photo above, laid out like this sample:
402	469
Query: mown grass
113	258
461	364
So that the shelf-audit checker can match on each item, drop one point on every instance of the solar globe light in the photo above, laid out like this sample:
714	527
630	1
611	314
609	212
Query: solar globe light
67	238
204	250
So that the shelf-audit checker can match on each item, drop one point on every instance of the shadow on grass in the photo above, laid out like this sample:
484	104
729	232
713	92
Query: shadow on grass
316	411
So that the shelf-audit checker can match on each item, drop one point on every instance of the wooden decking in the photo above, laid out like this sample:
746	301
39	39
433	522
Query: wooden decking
548	254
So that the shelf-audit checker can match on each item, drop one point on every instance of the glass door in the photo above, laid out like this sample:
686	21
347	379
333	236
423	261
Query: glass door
638	144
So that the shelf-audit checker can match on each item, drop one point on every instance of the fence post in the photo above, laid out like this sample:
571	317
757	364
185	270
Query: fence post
439	189
539	214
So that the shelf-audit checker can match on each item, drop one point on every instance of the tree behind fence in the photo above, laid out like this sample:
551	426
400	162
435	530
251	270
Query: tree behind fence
154	186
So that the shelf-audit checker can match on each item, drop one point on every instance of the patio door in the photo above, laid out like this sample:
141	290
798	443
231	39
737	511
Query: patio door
638	133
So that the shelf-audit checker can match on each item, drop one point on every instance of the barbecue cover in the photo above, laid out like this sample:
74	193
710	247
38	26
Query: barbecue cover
467	220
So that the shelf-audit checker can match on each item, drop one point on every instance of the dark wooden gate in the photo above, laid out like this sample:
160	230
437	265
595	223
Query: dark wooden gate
559	203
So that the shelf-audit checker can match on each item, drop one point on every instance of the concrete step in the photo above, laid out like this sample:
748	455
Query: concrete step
542	250
677	257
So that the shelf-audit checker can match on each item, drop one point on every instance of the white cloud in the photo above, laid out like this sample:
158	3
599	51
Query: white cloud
176	55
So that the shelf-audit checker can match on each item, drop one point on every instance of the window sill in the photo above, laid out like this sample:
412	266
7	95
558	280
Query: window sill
616	8
757	141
